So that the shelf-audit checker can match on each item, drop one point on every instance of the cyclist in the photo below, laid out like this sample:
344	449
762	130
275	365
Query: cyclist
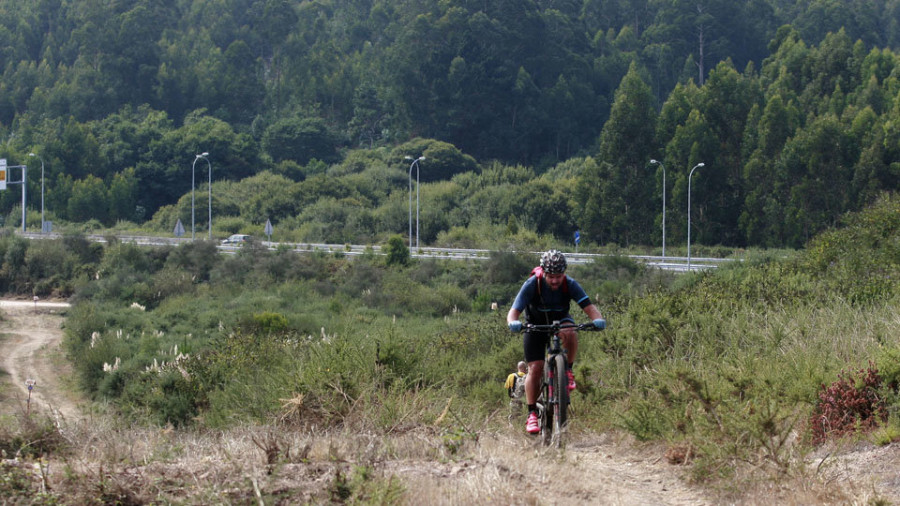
515	388
545	297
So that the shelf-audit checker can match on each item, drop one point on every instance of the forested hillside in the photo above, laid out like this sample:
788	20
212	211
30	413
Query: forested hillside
533	117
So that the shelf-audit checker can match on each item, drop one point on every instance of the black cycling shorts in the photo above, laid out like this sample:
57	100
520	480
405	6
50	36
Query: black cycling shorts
535	343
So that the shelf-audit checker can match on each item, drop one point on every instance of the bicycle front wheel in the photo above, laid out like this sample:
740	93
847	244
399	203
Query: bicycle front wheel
561	393
548	398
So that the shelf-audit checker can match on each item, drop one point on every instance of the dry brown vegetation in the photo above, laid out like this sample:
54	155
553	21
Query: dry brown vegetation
94	460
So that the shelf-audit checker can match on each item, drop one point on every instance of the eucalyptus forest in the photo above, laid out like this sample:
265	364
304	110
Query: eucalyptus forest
534	117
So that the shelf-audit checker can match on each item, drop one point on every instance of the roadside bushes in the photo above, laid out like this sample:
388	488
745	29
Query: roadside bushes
860	261
48	267
125	274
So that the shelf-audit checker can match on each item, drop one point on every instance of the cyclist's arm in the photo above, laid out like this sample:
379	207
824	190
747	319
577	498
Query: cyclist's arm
513	315
584	302
522	298
592	312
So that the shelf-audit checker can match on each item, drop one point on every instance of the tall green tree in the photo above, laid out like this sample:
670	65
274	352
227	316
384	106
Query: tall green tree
694	142
761	216
816	172
626	144
123	190
300	140
88	201
726	101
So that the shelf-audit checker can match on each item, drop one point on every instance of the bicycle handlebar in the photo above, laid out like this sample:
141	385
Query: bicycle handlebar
557	326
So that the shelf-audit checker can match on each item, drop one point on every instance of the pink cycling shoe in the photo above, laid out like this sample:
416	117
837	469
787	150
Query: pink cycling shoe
531	425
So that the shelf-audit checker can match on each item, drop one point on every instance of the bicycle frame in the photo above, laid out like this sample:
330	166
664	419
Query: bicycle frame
553	400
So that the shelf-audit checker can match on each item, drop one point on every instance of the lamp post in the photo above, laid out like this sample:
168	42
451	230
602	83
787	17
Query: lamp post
689	215
209	194
42	189
654	162
193	179
415	163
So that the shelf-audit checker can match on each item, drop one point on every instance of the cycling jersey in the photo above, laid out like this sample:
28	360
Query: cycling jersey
544	306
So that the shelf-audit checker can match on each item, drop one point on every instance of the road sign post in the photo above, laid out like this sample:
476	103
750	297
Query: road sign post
30	383
179	228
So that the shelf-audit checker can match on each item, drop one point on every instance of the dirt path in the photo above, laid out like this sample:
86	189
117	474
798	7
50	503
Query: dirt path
30	350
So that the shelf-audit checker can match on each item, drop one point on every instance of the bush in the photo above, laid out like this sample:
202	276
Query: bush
849	405
397	252
29	437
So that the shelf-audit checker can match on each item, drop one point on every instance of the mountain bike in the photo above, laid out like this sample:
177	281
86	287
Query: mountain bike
553	401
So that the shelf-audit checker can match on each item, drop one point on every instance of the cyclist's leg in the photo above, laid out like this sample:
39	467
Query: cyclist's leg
569	339
533	381
535	344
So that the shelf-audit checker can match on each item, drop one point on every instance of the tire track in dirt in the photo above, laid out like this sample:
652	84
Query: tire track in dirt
31	337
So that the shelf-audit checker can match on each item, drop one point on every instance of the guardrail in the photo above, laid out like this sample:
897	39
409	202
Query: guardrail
675	264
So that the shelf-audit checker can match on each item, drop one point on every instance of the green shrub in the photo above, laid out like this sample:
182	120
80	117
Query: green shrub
172	399
396	251
266	323
16	485
646	420
196	258
29	437
227	225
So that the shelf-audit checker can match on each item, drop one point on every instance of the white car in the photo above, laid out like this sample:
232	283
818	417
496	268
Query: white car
236	239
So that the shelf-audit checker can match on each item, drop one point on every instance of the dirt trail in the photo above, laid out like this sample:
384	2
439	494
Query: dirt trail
30	351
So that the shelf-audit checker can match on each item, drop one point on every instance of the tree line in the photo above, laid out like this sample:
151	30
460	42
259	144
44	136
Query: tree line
532	116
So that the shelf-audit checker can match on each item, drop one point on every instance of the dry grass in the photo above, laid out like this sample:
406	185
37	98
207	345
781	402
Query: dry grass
281	465
107	463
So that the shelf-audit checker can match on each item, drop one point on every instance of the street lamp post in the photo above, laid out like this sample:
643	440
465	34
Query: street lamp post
24	197
193	179
663	206
689	215
416	164
209	195
42	189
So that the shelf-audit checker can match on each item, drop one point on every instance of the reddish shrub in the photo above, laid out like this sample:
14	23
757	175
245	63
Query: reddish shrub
848	405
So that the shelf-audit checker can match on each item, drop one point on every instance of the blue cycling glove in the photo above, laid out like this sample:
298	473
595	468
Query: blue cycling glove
515	326
600	323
